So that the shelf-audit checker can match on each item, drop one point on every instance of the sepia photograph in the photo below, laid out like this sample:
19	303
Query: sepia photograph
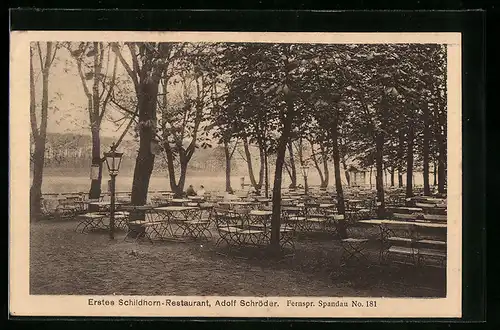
236	174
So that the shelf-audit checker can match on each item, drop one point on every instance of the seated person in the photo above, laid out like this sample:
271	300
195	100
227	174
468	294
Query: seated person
251	191
190	191
201	192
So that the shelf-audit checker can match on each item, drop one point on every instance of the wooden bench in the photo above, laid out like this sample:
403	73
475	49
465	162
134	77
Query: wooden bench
418	256
404	216
435	217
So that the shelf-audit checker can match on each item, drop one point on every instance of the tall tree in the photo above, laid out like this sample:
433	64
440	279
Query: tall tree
92	60
146	70
46	55
320	156
290	166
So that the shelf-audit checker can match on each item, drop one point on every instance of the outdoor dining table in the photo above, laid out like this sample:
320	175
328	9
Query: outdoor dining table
90	221
326	205
386	227
410	209
385	224
261	213
105	205
170	216
235	202
404	223
180	201
196	198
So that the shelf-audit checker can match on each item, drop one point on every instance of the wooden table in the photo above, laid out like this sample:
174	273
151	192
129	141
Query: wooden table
105	205
169	216
410	209
403	223
179	201
408	226
327	205
233	203
261	212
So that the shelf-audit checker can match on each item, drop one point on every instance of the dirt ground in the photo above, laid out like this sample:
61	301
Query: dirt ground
69	263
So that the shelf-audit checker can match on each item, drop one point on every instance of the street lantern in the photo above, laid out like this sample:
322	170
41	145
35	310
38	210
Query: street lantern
305	172
113	161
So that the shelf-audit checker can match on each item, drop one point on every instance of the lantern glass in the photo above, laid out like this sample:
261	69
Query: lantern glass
113	160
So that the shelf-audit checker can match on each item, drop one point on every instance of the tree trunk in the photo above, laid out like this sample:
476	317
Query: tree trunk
326	172
251	174
346	172
36	187
434	167
266	175
371	168
400	158
280	156
440	120
293	169
39	135
280	159
177	187
341	226
441	176
228	166
427	189
379	158
182	176
409	163
95	125
263	168
147	101
318	168
392	176
95	185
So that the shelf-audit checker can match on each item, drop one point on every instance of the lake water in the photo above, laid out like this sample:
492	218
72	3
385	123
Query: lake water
80	183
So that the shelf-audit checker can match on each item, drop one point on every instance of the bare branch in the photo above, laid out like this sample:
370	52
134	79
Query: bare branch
124	63
111	87
40	55
135	62
53	55
34	126
133	113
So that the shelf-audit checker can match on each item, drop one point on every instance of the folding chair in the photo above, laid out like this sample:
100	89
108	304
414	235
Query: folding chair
147	228
226	227
90	221
246	235
353	248
293	217
198	226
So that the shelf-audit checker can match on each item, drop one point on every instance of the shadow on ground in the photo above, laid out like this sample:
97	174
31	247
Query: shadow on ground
65	262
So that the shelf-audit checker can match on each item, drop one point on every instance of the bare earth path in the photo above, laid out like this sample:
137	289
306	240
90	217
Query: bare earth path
65	262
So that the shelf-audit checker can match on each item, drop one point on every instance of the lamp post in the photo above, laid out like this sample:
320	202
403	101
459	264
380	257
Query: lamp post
113	161
305	171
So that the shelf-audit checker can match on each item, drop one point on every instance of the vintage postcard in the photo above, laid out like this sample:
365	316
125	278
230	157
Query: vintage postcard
217	174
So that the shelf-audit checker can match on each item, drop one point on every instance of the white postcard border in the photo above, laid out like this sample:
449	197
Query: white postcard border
22	303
